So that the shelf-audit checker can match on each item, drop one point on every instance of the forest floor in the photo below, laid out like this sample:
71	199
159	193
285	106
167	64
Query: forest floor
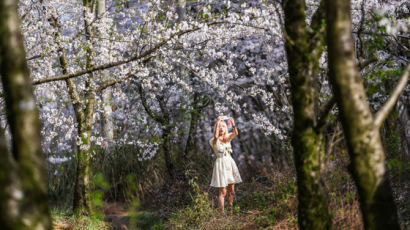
266	201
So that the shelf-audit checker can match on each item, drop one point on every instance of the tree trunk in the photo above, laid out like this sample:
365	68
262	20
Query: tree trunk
181	10
166	136
23	118
361	133
108	128
195	116
190	145
166	150
81	198
9	210
313	210
82	190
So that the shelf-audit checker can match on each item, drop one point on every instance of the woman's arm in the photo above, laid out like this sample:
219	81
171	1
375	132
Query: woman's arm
235	130
216	130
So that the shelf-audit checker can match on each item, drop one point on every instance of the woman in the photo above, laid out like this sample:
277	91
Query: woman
225	173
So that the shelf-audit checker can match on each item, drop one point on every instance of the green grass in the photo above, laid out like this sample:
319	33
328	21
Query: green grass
66	218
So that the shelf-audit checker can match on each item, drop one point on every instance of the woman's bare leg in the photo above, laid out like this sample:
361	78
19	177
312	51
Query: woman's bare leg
231	188
221	199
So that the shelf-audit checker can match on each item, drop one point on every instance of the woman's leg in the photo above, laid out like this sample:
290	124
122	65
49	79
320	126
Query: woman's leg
231	188
221	198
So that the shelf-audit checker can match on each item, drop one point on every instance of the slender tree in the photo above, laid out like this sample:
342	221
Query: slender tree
361	127
22	179
164	119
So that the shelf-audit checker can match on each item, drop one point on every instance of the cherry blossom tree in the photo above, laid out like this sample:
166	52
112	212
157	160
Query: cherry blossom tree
167	69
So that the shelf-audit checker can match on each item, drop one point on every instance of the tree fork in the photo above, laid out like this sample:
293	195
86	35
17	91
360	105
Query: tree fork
360	129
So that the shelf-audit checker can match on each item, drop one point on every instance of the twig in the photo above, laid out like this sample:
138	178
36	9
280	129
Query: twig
388	106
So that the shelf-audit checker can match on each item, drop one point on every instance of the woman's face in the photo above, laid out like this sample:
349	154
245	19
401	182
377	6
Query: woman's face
223	128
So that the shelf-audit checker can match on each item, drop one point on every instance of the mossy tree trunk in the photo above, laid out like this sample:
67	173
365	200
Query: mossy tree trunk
82	187
303	51
84	119
22	175
81	200
361	128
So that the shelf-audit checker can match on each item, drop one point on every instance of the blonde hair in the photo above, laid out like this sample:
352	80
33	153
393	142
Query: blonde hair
226	126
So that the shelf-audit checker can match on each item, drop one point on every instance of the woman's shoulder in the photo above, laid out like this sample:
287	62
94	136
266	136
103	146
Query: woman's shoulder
211	140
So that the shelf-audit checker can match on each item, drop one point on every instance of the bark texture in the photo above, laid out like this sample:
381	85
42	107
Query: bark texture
307	144
82	187
23	178
361	133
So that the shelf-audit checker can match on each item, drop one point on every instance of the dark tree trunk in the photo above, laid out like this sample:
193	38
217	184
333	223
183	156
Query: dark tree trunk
28	167
360	129
166	150
198	105
307	144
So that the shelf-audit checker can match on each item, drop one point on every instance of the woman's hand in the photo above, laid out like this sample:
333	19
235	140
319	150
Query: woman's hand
235	131
232	122
216	128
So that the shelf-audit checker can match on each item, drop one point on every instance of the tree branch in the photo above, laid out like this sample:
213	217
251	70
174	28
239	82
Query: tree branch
150	112
113	64
109	83
325	113
318	17
72	90
369	61
205	102
388	106
318	34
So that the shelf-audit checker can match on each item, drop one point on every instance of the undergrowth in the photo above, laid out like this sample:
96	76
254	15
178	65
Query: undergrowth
63	219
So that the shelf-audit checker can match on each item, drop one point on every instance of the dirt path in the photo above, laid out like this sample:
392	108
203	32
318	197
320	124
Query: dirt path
117	214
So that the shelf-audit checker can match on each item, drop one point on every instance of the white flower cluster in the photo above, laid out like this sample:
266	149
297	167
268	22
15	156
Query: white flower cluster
236	58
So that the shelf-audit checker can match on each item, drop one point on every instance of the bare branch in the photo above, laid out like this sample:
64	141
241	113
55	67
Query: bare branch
109	83
150	112
318	17
388	106
205	102
318	35
72	91
33	57
360	30
325	113
134	58
113	64
369	61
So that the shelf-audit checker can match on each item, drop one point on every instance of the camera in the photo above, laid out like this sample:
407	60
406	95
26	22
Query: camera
225	117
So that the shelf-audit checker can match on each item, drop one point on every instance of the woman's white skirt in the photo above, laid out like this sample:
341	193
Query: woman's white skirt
225	172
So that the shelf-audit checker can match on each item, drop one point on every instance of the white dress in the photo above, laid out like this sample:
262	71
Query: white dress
225	170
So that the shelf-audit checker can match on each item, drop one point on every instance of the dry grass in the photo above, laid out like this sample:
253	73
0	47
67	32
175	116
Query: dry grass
269	201
265	200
